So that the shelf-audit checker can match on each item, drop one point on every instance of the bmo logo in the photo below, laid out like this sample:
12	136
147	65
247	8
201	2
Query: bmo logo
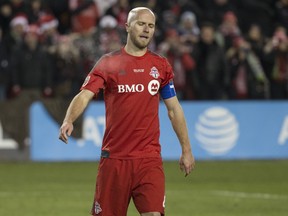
132	88
153	87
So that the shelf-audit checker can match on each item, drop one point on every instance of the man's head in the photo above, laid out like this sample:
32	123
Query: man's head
31	36
140	27
207	33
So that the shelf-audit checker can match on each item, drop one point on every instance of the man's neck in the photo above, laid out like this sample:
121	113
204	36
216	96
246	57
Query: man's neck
134	51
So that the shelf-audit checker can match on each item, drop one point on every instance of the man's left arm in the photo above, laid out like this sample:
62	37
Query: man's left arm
177	118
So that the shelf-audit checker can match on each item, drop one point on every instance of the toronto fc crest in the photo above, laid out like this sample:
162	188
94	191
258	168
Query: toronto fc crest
97	208
154	72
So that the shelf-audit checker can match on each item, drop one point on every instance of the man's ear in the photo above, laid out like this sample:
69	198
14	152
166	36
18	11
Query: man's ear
127	27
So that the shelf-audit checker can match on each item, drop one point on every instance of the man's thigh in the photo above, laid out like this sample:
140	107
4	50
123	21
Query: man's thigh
113	188
149	187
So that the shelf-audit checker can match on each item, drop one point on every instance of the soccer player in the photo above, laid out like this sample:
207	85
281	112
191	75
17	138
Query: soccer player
133	79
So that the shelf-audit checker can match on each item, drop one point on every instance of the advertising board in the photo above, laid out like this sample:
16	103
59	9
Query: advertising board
218	130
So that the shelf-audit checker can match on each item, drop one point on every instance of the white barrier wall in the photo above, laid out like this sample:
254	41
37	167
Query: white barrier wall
218	130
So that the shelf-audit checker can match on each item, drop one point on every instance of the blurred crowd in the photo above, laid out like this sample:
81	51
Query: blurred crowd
219	49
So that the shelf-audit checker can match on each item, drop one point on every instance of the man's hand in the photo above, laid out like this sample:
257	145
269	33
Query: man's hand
187	163
65	131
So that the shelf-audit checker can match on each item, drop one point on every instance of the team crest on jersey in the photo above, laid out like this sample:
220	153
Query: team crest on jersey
153	87
154	72
86	81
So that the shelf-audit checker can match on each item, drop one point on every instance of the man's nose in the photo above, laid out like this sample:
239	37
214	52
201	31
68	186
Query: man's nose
146	28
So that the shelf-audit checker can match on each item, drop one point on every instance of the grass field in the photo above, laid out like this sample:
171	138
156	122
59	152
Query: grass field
215	188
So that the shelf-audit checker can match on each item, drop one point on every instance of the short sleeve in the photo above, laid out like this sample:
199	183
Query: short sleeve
93	83
168	74
95	80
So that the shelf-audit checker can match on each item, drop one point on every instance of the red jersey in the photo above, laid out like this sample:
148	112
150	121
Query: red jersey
131	94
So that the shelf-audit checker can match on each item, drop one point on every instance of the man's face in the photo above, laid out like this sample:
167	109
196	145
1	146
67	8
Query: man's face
31	39
207	34
141	29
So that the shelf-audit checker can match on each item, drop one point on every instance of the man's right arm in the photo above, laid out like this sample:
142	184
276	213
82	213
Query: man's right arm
75	109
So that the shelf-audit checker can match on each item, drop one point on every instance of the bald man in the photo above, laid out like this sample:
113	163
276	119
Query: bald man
133	79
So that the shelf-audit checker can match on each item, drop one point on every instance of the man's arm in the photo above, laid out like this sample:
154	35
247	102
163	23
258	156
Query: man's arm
75	109
177	118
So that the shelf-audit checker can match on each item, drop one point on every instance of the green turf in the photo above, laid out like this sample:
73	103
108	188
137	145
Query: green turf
222	188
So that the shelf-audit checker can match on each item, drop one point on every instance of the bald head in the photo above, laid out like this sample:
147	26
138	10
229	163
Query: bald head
140	29
134	13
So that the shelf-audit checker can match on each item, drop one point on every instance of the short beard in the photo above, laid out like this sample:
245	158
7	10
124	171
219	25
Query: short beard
137	43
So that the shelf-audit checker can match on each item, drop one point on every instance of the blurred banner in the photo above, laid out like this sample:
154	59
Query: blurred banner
218	130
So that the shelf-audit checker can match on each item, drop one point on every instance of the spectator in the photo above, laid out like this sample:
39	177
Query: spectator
6	15
18	6
68	77
17	29
85	42
192	6
4	69
109	36
229	29
258	12
276	53
256	39
60	9
84	15
31	69
49	37
281	11
178	56
119	10
35	11
210	77
248	80
189	30
31	79
49	34
215	10
167	21
103	6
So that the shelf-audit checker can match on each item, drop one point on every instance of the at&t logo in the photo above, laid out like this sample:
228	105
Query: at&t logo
217	130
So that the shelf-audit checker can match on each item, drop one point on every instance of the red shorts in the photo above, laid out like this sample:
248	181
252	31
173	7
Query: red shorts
119	180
